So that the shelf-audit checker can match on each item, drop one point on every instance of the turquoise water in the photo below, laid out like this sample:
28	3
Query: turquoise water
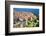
35	11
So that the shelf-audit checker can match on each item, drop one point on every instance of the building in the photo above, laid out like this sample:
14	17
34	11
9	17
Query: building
23	16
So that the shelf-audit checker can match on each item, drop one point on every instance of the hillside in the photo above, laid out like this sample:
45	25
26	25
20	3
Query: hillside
25	15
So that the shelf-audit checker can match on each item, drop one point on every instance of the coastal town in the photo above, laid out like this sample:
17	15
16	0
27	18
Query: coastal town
21	19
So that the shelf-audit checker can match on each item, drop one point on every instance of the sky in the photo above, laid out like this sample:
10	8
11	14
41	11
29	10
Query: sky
35	11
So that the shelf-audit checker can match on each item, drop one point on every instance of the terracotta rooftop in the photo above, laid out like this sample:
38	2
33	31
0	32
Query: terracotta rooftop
24	15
